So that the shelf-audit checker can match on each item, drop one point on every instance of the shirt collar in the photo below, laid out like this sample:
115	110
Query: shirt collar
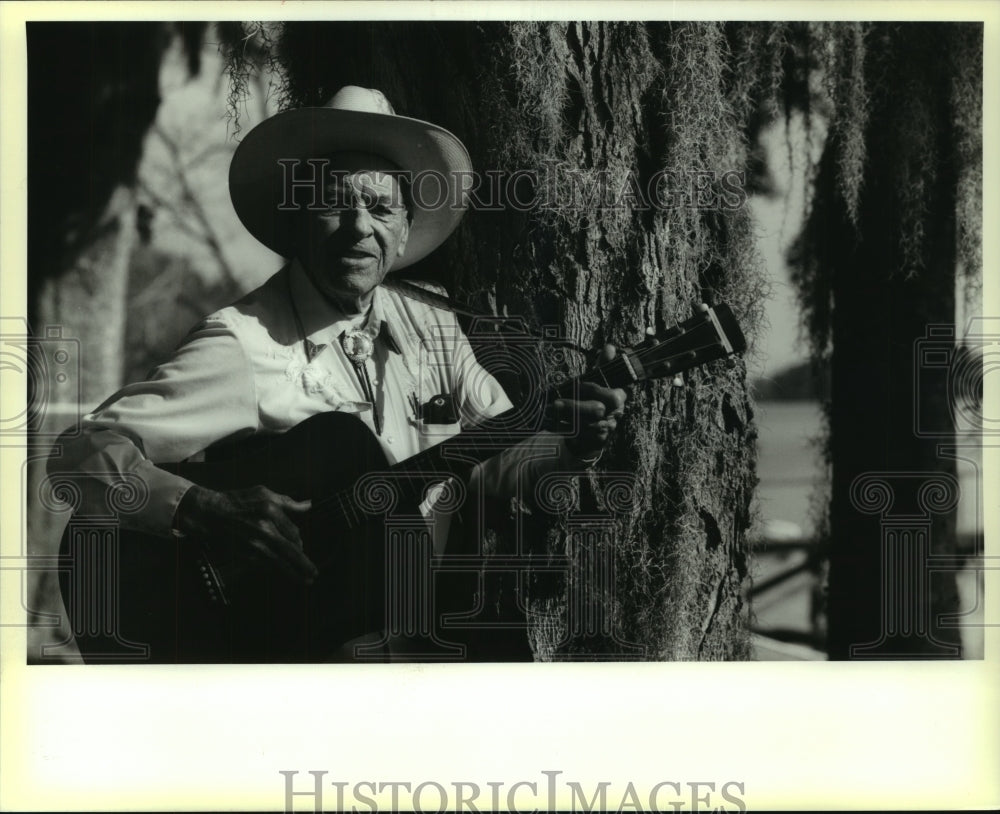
323	321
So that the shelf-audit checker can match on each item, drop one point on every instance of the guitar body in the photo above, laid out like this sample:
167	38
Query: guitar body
161	595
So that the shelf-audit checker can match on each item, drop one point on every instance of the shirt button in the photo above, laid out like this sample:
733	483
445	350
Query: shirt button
389	439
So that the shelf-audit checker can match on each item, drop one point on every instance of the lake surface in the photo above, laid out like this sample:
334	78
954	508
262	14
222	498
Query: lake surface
789	462
790	470
790	465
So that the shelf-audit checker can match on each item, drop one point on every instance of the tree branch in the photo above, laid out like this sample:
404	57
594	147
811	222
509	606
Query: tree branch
189	197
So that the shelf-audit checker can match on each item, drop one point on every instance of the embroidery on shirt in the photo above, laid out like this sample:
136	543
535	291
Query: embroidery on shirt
318	383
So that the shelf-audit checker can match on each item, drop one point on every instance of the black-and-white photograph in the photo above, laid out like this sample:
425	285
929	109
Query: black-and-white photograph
452	341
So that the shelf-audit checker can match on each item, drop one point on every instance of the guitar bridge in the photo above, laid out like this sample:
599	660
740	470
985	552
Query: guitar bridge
211	581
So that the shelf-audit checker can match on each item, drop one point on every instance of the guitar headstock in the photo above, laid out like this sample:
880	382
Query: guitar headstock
712	333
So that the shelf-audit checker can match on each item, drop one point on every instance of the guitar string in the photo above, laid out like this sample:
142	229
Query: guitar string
408	288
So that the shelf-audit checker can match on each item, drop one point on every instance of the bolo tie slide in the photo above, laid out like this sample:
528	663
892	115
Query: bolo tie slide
358	347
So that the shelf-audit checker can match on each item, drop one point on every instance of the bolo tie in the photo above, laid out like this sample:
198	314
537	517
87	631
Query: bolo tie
358	347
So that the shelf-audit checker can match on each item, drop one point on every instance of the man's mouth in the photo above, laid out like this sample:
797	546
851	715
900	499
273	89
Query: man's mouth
357	254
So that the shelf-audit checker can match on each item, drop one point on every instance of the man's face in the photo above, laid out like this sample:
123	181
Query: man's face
349	246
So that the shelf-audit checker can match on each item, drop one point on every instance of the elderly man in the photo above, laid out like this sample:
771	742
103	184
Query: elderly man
323	334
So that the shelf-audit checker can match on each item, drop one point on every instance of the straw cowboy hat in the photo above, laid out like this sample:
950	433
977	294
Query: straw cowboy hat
356	120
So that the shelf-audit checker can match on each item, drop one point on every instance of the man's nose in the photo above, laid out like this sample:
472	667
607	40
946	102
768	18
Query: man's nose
360	220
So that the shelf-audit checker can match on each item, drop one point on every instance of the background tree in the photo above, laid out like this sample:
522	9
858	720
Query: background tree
93	93
87	128
896	216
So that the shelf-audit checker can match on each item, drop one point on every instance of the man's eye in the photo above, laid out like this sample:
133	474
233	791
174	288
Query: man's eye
382	211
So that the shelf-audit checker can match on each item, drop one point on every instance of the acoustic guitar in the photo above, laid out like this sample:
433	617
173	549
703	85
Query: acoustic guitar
133	597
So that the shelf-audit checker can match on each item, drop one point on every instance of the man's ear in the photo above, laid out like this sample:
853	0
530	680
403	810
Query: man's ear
403	237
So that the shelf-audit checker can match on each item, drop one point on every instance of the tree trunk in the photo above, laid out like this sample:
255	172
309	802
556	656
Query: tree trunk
890	275
656	537
86	128
894	495
88	300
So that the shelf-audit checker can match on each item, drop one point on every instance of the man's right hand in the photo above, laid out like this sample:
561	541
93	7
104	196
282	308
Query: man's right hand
255	517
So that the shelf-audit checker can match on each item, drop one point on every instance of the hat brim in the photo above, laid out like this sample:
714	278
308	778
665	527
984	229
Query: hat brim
432	155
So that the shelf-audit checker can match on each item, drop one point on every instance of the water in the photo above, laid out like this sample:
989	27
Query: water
790	471
789	464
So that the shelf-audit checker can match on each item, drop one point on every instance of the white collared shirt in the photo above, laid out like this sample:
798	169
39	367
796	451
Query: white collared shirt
244	370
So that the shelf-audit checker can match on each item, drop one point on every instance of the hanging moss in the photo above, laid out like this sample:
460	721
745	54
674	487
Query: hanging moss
926	83
965	102
841	52
250	50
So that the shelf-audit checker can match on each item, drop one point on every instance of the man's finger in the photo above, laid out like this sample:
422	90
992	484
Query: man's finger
261	546
293	504
296	563
586	411
292	554
286	528
300	565
613	397
620	397
287	550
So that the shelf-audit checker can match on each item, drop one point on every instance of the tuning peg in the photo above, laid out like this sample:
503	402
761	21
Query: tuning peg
703	307
678	381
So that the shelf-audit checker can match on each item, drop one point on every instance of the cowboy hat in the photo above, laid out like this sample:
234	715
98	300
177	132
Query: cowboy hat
353	120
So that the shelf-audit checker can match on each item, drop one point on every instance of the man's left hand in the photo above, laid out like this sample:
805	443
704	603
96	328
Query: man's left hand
594	413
